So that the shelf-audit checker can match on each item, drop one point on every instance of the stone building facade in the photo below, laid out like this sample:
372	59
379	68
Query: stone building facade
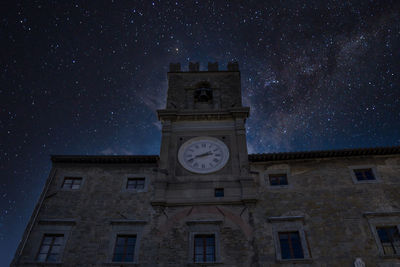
204	201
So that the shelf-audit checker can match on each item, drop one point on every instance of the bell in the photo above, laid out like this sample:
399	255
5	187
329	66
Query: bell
203	97
203	94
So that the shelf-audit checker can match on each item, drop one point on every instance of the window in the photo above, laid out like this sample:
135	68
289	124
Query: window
290	239
124	250
390	239
219	192
50	248
364	174
290	244
278	179
72	183
135	183
204	248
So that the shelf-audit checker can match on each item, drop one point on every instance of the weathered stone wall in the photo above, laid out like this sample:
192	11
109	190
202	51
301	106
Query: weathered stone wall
321	192
332	205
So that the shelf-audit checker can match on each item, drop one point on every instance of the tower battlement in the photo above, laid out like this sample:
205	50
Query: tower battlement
212	89
211	67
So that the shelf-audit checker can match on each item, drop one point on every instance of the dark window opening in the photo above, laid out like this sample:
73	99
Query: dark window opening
124	250
203	95
278	179
390	239
135	183
50	248
204	248
364	174
72	183
219	192
290	245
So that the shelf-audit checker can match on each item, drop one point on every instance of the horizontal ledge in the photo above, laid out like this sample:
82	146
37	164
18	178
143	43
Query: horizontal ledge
381	213
41	263
204	263
128	221
295	261
204	222
57	221
215	203
285	218
123	263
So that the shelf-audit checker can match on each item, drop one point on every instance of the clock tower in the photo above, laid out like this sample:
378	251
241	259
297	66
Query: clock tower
203	146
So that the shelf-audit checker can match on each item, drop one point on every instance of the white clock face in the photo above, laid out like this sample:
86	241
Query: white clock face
203	155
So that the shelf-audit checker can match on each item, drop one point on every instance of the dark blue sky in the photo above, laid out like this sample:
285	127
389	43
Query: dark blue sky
85	77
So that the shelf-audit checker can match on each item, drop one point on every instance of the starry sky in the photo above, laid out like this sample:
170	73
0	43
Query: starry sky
86	77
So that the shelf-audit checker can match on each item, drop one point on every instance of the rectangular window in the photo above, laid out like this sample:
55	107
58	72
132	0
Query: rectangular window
278	179
204	248
124	250
290	244
72	183
364	174
219	192
390	239
135	183
50	248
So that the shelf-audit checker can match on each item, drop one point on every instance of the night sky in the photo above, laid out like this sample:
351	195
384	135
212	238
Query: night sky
86	77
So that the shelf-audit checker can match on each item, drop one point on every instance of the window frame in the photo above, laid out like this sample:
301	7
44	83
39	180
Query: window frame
383	219
279	171
51	227
204	227
126	228
135	176
271	175
219	189
290	224
361	167
125	245
397	227
204	247
290	243
71	174
72	178
59	255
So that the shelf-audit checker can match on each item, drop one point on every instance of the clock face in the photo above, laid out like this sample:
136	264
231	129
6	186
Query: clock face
203	155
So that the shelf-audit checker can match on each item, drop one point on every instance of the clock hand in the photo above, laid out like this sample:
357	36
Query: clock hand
203	155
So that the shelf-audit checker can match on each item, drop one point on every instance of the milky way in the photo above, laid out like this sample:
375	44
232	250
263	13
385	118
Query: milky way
87	78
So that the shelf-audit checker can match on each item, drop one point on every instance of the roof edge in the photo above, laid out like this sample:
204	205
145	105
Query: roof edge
104	158
324	154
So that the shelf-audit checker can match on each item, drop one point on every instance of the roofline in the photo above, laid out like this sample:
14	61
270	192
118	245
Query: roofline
104	159
123	159
324	154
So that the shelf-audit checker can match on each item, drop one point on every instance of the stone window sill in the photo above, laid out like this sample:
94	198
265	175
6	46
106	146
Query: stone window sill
294	261
41	263
205	264
121	263
394	256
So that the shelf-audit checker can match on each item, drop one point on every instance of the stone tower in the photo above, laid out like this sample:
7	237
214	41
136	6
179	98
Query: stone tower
201	105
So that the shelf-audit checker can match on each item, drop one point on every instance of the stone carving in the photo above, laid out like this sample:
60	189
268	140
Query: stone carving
359	263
